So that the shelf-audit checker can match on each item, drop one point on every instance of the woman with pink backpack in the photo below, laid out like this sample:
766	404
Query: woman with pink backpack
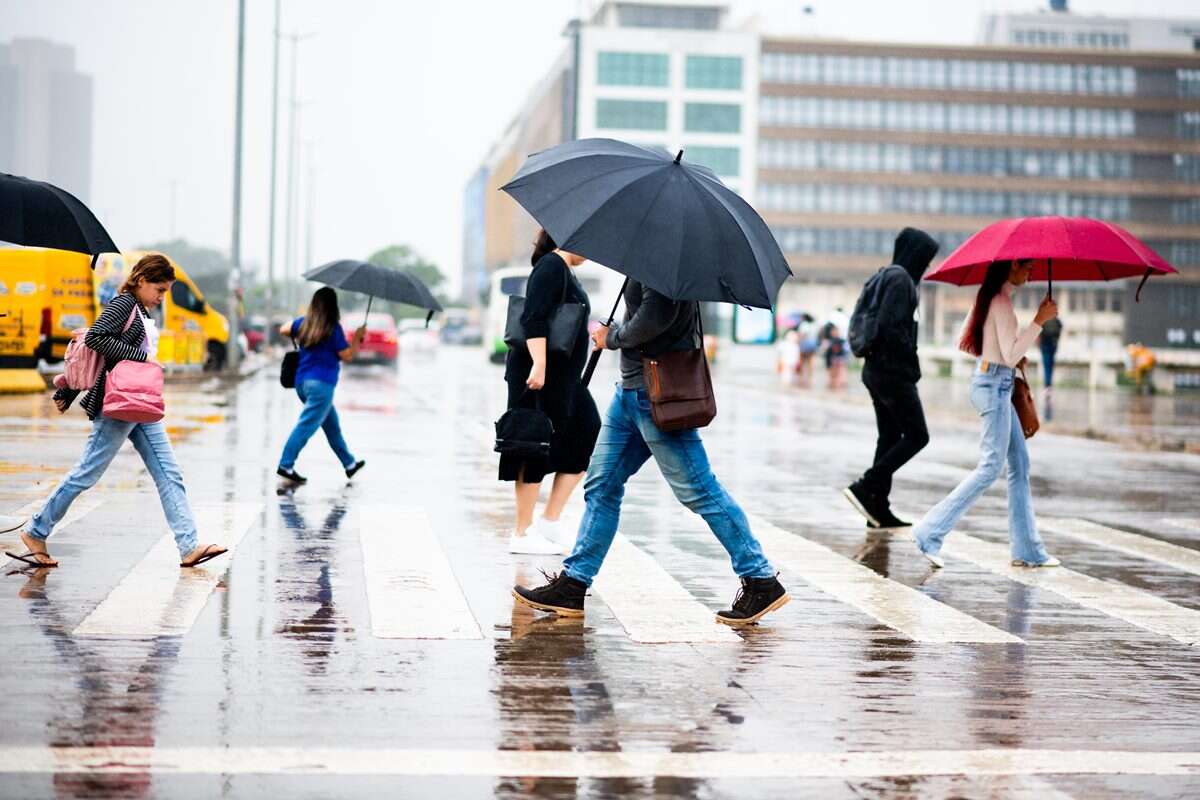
124	402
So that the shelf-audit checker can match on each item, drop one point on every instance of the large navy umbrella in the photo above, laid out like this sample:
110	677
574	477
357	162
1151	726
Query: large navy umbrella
38	214
376	281
665	222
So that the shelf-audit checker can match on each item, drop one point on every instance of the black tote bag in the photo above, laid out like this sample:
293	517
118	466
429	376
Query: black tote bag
566	323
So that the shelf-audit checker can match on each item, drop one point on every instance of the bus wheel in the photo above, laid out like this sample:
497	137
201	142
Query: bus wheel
215	360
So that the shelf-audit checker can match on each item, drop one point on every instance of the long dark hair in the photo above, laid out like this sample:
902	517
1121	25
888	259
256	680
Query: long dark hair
319	319
542	245
993	282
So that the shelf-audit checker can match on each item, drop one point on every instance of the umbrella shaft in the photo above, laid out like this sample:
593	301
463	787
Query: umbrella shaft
595	357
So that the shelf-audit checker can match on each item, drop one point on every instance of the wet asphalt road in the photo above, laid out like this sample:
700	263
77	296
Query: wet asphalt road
276	672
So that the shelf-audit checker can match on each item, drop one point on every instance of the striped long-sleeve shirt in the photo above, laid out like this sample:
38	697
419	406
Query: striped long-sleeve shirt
108	339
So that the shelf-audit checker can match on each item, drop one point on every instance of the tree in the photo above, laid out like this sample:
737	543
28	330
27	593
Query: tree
403	257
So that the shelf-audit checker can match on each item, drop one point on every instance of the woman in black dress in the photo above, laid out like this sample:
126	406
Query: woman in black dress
556	379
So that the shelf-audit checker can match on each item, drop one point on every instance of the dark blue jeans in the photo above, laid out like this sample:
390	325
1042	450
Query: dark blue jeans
318	412
627	440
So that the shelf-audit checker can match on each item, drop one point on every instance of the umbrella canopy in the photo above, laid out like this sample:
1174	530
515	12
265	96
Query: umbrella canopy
370	279
38	214
1067	248
664	222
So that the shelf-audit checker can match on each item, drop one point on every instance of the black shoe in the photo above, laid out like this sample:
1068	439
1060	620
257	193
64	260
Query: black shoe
563	595
866	502
757	598
291	475
351	471
888	520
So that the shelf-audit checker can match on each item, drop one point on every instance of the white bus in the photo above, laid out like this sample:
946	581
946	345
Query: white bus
601	284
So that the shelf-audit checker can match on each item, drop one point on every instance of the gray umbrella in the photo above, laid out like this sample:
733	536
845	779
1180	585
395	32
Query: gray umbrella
376	281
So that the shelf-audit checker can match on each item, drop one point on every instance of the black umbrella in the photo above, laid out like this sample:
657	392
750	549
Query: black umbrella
38	214
376	281
667	223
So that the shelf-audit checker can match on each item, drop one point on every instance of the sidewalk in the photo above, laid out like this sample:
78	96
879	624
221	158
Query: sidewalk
1160	422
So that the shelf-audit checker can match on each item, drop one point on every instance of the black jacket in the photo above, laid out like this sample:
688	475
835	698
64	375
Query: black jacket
654	324
894	349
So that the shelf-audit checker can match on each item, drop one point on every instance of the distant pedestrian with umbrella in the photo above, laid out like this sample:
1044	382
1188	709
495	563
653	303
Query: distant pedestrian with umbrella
1048	344
680	236
993	336
543	377
323	348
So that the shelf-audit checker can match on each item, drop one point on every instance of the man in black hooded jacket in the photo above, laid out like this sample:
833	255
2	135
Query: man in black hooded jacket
890	373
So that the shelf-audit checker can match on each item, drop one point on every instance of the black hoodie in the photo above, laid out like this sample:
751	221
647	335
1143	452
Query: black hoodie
895	352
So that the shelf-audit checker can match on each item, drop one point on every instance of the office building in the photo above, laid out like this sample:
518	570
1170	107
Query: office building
47	132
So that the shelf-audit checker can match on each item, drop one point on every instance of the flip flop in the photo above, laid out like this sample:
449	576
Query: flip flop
211	552
31	559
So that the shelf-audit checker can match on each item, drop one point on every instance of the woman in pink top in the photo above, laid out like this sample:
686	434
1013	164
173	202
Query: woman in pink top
993	335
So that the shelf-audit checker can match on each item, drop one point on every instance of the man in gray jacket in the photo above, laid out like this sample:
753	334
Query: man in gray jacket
654	324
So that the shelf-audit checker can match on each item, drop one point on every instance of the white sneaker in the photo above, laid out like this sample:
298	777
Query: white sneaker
533	543
1050	561
933	558
559	531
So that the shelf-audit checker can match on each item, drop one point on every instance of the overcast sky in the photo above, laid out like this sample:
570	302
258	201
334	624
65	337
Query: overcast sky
401	100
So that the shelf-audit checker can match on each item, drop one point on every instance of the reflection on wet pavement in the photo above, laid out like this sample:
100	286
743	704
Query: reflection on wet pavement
284	683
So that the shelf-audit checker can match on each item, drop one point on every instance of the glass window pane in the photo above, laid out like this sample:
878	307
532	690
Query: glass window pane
712	117
640	115
721	160
714	72
633	69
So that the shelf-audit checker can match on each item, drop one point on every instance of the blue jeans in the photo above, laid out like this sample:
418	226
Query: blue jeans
318	412
630	437
152	444
1002	441
1049	351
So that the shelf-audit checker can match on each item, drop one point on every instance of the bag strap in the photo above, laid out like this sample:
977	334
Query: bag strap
566	283
537	397
132	313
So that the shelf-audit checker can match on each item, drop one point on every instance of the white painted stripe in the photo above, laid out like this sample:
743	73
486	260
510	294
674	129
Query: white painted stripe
1186	524
1133	544
82	506
651	605
1114	599
411	589
916	615
157	597
592	764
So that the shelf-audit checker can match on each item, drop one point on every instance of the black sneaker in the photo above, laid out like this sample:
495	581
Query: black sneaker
563	595
888	520
351	471
757	598
291	475
866	502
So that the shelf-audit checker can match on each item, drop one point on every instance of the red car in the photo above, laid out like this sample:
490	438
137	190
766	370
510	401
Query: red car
380	345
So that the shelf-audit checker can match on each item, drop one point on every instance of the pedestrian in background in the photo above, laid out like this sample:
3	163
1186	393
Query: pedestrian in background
883	331
323	348
124	331
991	334
1048	343
810	343
837	355
535	375
654	324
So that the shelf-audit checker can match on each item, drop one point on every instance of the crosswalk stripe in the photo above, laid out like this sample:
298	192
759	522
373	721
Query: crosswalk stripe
79	509
411	590
916	615
156	597
1185	524
1130	605
650	604
1133	544
728	765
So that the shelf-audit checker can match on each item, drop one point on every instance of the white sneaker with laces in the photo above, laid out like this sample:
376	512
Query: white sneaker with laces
533	543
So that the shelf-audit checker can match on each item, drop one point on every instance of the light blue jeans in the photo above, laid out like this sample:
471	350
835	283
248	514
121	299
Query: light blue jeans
318	412
627	440
152	444
1002	441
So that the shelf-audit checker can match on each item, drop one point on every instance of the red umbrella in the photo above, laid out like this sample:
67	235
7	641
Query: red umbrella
1073	248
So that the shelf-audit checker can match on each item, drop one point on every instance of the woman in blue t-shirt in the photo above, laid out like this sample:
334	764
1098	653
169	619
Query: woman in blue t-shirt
323	348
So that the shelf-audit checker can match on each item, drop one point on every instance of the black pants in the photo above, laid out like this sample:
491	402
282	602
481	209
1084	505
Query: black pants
901	422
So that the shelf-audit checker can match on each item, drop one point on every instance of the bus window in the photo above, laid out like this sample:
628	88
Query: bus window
182	296
512	285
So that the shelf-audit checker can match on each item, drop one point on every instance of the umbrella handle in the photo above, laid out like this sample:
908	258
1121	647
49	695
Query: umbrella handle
1137	297
595	357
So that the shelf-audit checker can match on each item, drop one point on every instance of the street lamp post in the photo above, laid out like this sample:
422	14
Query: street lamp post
235	247
270	294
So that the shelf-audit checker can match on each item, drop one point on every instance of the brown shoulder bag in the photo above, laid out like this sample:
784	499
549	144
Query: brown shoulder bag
680	387
1022	399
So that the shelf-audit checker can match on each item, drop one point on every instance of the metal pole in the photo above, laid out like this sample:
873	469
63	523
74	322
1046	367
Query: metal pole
235	247
310	185
289	213
270	294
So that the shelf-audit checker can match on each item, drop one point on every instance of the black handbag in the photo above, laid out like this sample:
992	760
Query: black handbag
566	323
287	370
523	431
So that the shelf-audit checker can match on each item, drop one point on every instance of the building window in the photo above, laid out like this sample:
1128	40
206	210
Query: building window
724	161
712	117
633	69
634	115
714	72
630	15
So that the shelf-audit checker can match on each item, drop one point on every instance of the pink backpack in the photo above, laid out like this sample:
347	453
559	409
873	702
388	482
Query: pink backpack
82	363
